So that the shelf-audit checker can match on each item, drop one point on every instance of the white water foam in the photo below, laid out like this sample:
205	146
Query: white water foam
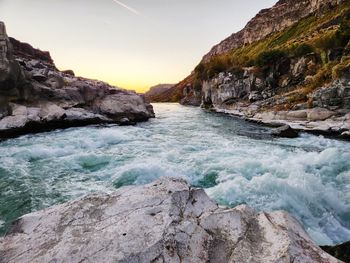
236	161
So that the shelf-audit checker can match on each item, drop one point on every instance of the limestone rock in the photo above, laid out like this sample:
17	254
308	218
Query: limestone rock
285	131
165	221
35	96
122	105
319	114
337	95
50	112
283	14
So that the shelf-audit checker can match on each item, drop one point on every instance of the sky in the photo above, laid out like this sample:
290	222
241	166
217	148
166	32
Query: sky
132	44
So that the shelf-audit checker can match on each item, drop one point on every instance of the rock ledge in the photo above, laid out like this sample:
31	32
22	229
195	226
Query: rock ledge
35	96
165	221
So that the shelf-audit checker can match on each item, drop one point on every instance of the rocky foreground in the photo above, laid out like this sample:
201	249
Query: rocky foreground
35	96
165	221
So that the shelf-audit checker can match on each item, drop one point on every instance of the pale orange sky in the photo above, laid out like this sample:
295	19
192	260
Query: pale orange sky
133	44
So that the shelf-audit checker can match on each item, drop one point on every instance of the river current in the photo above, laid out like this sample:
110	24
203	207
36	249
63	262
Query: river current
235	161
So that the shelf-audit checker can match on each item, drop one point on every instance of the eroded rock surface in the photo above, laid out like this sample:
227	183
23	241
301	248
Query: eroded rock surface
35	96
165	221
245	94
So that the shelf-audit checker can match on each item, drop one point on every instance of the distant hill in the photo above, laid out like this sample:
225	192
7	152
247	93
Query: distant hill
160	93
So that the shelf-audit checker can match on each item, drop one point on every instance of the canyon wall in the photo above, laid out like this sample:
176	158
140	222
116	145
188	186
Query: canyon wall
35	96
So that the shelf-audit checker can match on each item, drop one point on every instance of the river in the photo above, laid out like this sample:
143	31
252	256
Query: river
235	161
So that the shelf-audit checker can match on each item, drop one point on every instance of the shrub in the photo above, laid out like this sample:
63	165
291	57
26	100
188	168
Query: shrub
301	50
342	68
342	36
269	58
197	84
326	42
323	76
200	69
217	65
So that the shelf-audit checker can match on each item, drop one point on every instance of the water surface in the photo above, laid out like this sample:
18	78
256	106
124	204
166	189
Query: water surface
237	162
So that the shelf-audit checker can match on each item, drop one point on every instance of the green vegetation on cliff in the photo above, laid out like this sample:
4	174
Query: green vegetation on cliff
318	35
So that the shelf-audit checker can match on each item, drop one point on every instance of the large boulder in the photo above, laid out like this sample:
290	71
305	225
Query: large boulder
337	95
285	131
121	105
165	221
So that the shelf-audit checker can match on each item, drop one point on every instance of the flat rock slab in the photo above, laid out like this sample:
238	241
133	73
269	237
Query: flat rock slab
165	221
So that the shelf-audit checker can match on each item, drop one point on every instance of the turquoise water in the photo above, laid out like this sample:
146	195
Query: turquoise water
237	162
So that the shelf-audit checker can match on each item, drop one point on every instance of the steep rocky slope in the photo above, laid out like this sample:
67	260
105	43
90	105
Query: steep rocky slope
290	64
284	14
165	221
35	96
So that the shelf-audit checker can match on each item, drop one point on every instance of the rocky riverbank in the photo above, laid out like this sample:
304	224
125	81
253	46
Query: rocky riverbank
165	221
289	65
35	96
329	114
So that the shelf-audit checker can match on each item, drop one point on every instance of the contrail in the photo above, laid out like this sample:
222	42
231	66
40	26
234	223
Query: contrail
128	7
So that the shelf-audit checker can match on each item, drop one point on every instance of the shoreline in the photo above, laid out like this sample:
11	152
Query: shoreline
322	128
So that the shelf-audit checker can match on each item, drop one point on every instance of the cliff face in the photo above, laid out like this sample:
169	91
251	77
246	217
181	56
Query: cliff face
35	96
290	64
10	73
25	50
284	14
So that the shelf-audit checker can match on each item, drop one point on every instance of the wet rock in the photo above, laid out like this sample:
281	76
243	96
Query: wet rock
345	135
285	131
341	251
165	221
125	121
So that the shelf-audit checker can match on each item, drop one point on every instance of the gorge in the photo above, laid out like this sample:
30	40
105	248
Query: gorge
90	172
289	65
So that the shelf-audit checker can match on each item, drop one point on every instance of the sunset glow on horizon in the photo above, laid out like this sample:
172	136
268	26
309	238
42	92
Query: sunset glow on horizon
132	44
